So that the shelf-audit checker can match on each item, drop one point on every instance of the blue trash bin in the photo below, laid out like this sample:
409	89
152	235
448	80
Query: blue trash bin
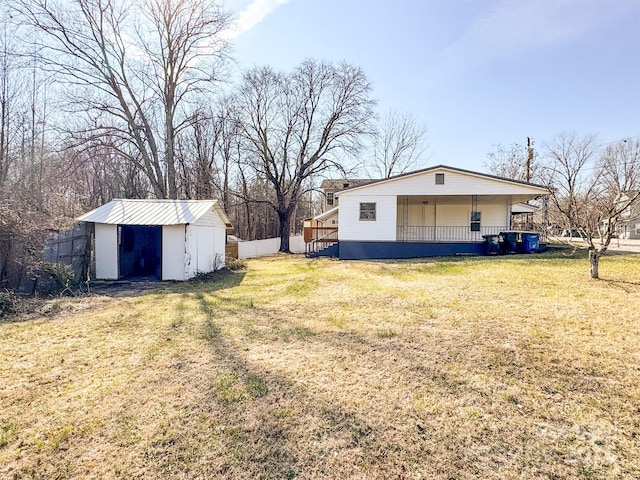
530	242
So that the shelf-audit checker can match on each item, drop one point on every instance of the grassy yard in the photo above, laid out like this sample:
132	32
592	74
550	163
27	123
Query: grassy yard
513	367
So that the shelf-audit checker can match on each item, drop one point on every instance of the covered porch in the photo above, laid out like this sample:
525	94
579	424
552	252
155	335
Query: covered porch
451	218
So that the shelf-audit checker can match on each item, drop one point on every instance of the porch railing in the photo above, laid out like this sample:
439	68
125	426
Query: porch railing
317	238
422	233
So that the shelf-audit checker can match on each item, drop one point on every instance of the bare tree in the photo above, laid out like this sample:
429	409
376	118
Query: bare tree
399	145
139	62
301	124
515	161
591	190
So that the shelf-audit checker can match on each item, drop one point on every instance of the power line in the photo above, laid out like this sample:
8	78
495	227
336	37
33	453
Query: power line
623	139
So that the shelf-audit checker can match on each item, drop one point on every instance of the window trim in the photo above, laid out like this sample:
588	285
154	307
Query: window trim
330	199
475	225
364	211
439	178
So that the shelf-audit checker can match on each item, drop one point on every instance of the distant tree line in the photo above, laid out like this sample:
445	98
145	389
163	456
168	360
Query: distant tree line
103	99
594	189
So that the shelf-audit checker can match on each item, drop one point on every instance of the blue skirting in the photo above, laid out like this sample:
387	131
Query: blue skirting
349	250
330	251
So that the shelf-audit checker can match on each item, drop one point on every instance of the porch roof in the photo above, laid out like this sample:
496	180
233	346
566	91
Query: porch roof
328	214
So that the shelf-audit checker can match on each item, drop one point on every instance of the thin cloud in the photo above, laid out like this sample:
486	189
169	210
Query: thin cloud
251	16
514	27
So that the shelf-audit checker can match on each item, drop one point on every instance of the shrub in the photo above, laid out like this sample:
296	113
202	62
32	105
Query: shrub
235	264
8	303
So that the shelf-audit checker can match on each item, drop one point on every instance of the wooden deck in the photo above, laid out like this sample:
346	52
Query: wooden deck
317	238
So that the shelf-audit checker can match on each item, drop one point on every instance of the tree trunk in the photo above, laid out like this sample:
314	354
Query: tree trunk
284	228
594	263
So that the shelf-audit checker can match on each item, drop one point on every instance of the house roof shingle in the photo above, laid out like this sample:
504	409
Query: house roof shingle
340	183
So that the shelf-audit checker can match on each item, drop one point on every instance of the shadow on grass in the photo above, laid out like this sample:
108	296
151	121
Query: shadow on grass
28	309
622	284
265	412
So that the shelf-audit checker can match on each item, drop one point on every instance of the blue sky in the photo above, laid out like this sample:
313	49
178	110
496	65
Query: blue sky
477	72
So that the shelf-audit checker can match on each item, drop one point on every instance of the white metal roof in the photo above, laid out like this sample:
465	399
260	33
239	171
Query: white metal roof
524	208
152	212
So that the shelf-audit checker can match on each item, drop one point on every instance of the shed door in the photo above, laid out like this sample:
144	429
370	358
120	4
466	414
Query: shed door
140	251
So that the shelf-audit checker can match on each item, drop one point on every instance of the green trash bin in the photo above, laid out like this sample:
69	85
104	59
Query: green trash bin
509	242
491	244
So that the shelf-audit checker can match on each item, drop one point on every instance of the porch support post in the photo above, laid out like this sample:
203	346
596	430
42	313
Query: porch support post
435	219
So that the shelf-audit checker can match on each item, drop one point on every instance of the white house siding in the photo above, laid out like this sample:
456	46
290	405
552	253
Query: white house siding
458	215
106	251
495	215
383	228
455	183
173	252
419	214
453	212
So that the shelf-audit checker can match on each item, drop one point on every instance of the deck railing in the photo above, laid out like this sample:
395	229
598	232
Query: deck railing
423	233
317	238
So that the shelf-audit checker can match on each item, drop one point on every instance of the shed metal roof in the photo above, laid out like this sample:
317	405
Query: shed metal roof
152	212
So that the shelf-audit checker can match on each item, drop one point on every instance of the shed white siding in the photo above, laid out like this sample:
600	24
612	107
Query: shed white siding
173	252
210	219
106	253
203	252
192	241
383	228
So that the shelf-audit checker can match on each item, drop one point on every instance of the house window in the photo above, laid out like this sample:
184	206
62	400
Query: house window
475	221
330	198
367	211
439	178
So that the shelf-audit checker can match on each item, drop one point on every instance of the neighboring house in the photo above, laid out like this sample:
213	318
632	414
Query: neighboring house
630	228
164	239
329	188
435	211
522	216
322	230
629	224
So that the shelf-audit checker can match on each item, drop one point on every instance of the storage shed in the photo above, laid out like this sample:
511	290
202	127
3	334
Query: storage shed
165	239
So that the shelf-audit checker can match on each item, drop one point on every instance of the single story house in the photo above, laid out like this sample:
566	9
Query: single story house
436	211
163	239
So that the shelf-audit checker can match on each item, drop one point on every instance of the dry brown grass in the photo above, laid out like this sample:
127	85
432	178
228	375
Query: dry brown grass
512	367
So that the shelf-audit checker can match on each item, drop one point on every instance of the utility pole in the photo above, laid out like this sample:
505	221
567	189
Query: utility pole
529	159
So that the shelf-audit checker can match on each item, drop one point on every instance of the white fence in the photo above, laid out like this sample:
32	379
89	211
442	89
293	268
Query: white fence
259	248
